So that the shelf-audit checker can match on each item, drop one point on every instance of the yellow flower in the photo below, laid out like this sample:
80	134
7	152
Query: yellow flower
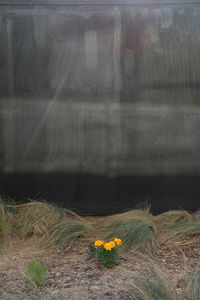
112	244
118	241
109	246
99	243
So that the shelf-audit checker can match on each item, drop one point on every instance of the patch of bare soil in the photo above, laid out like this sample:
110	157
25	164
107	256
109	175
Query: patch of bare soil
72	276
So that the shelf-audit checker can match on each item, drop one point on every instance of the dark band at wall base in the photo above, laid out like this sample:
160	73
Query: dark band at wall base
100	195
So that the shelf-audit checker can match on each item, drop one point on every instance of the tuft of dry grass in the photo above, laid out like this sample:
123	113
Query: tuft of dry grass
140	213
153	285
52	225
65	232
42	222
5	224
34	294
35	218
192	287
187	233
140	230
134	227
172	217
196	215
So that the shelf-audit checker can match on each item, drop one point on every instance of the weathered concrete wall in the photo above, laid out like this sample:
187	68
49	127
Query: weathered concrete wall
103	92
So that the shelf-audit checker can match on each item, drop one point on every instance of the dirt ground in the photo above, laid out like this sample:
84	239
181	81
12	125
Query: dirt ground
72	276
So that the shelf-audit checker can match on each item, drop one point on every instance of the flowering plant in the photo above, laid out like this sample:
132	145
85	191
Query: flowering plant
107	252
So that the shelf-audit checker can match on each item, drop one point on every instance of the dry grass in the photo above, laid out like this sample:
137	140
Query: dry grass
192	287
42	222
196	215
34	219
134	227
142	213
177	226
47	224
65	232
37	217
34	294
172	217
140	231
187	233
5	225
153	285
135	234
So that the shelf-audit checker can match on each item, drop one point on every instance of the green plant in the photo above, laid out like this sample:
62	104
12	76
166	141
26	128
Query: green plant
108	258
91	251
36	271
106	252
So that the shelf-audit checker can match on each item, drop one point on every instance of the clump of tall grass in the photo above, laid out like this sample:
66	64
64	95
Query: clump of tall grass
139	229
183	233
33	219
5	224
171	217
136	233
52	225
134	227
153	285
192	287
65	232
137	213
37	217
196	215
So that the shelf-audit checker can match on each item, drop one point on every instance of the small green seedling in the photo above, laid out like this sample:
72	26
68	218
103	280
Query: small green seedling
36	271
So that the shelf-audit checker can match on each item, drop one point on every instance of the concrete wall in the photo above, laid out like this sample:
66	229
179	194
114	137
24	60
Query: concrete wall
101	101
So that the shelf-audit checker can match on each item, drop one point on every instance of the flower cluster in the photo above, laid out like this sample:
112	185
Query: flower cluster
109	245
107	252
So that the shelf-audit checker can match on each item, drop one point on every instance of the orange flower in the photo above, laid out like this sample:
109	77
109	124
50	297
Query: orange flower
99	243
109	246
118	241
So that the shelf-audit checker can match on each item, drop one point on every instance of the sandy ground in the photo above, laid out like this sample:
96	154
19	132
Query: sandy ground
72	276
